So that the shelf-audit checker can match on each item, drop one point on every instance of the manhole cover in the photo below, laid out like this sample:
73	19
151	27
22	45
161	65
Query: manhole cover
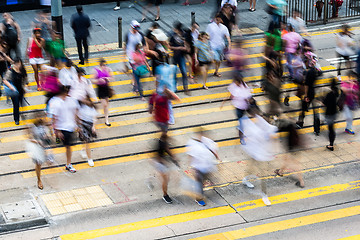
20	211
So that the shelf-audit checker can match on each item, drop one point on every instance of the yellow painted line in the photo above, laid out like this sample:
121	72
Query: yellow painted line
289	197
149	223
212	212
355	237
284	225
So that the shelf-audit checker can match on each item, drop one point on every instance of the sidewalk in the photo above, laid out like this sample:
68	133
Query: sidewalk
104	14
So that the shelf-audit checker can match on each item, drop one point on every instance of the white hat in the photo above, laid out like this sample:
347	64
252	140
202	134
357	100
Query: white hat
135	24
159	34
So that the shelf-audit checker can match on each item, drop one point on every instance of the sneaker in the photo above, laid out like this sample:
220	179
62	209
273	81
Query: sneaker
90	162
349	131
266	200
83	154
201	203
116	8
247	183
17	123
167	199
70	168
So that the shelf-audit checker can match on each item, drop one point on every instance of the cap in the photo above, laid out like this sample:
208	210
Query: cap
135	24
159	34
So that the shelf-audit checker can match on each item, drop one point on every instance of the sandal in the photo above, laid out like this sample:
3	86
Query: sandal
157	19
143	20
40	185
298	184
277	172
205	87
217	74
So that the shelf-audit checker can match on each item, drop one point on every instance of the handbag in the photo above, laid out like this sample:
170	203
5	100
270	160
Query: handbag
9	92
141	70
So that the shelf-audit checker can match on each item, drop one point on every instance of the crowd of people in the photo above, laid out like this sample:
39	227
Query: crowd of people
71	100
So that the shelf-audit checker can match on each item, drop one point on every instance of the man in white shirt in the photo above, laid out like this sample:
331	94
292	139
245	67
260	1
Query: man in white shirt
64	110
218	33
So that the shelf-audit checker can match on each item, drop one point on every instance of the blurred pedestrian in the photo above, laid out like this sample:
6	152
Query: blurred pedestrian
228	18
166	79
259	146
42	21
161	162
34	50
141	68
102	76
133	38
64	111
203	56
177	44
80	23
56	49
149	4
218	33
276	8
331	104
272	87
297	22
237	57
350	88
87	131
50	81
293	144
345	47
159	107
189	34
12	34
158	46
203	153
38	146
4	58
240	95
14	80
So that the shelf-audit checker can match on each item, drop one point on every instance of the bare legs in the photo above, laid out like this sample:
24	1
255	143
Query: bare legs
68	155
38	175
36	74
204	72
252	5
105	105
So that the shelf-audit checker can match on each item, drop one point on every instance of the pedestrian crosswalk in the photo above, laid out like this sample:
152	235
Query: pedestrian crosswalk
129	141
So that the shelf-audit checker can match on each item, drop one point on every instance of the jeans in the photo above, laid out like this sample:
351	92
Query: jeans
138	84
240	115
180	61
289	57
349	115
17	101
276	20
80	42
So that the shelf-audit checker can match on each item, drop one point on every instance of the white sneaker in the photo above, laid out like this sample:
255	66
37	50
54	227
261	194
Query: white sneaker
247	183
83	154
90	162
266	200
70	168
116	8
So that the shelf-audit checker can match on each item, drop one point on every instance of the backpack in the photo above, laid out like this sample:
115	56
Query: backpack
10	34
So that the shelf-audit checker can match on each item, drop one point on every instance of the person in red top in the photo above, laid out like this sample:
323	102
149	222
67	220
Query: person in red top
159	106
34	51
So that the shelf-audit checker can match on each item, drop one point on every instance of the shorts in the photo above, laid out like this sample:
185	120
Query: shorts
347	58
204	63
218	54
103	91
35	61
163	126
160	167
68	137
